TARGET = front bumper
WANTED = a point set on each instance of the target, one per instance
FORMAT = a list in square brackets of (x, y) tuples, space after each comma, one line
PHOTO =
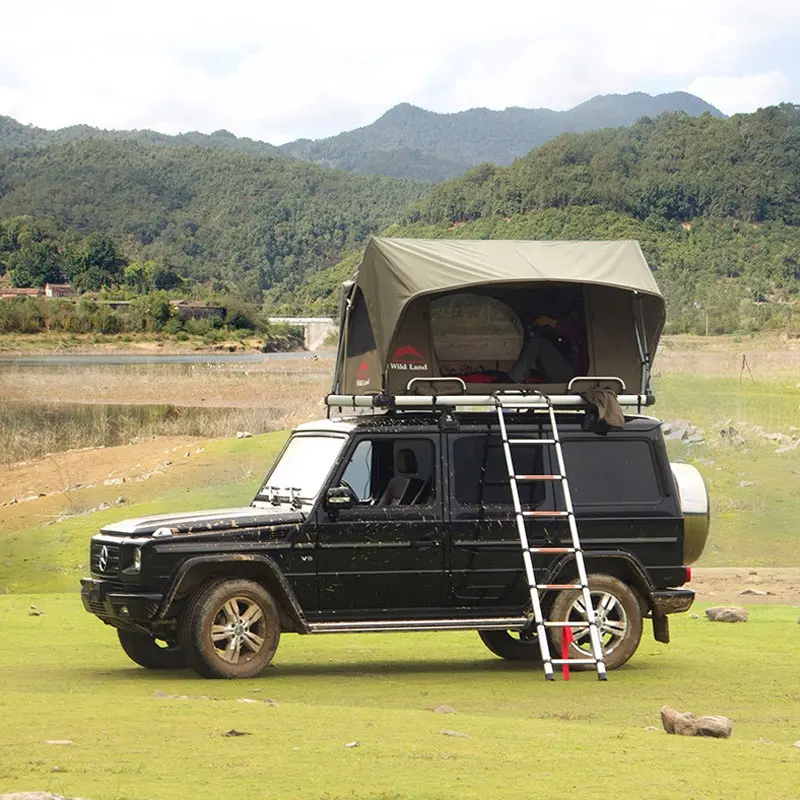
[(672, 601), (121, 609)]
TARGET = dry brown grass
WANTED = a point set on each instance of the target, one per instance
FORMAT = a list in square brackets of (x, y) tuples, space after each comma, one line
[(764, 356), (50, 409)]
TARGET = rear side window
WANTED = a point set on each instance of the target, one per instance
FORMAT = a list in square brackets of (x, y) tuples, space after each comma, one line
[(481, 475), (608, 472)]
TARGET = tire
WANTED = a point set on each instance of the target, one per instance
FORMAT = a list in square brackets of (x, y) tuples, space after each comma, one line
[(231, 630), (146, 651), (513, 645), (619, 618)]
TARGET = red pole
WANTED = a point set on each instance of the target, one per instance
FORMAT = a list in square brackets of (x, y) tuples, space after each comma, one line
[(566, 641)]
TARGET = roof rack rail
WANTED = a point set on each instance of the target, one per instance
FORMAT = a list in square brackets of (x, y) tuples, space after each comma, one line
[(454, 401)]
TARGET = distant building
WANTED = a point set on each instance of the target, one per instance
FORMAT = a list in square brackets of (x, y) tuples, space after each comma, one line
[(59, 290), (193, 309)]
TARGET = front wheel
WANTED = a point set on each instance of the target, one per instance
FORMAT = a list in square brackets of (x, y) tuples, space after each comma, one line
[(619, 620), (231, 630), (151, 653)]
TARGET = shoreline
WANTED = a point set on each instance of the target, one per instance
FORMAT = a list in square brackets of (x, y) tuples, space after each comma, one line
[(36, 344)]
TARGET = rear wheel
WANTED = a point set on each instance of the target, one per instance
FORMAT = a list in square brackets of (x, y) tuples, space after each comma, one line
[(619, 620), (231, 630), (151, 653), (513, 645)]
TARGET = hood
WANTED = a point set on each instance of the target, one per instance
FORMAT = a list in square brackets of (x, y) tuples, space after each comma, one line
[(204, 521)]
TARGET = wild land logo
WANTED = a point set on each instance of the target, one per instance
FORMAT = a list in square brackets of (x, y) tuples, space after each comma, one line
[(362, 376), (408, 358)]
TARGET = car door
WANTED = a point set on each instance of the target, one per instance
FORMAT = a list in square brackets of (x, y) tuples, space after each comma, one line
[(485, 567), (384, 556)]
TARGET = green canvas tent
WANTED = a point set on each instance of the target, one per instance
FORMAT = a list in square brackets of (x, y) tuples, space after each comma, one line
[(467, 309)]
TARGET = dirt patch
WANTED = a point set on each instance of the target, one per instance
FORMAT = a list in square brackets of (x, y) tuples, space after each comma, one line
[(744, 585), (32, 492)]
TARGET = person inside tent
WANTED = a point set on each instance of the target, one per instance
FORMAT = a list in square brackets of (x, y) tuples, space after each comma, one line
[(555, 349)]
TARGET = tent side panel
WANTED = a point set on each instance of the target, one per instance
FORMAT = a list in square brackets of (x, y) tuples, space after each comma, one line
[(361, 369), (613, 335), (411, 353)]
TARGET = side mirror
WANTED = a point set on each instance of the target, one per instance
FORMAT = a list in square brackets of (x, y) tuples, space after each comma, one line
[(339, 498)]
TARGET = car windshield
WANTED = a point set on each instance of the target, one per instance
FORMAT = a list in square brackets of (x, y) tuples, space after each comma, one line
[(301, 469)]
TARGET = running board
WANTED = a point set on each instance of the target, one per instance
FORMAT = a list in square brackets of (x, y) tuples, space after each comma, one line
[(377, 626)]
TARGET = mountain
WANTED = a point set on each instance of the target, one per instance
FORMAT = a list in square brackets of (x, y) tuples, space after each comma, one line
[(15, 135), (407, 141), (714, 202), (411, 142), (238, 220)]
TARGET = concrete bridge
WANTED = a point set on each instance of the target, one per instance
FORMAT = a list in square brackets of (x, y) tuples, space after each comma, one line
[(315, 329)]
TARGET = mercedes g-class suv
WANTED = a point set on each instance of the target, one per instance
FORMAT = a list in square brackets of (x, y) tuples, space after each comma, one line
[(403, 521)]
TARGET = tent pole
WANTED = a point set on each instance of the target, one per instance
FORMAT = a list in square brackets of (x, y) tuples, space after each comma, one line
[(346, 304), (641, 341)]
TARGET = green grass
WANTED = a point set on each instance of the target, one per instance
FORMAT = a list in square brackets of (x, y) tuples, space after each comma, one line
[(53, 557), (752, 525), (64, 677)]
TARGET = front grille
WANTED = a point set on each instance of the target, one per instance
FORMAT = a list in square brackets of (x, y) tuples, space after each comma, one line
[(104, 558)]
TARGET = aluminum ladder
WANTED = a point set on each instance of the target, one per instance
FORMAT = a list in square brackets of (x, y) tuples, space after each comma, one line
[(538, 401)]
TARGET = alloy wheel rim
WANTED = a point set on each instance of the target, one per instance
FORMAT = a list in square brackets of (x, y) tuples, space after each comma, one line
[(611, 617), (239, 630)]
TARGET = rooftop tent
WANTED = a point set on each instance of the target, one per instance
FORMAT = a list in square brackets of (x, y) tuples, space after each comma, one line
[(497, 312)]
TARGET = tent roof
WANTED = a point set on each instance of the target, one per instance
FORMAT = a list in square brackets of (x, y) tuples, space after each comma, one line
[(395, 271)]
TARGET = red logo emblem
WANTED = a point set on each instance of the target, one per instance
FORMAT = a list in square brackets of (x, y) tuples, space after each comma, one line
[(363, 370), (407, 355)]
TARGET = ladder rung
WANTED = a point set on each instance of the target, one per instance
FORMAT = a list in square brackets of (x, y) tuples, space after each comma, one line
[(573, 661), (553, 624), (552, 550), (539, 477), (558, 586), (544, 513), (531, 441)]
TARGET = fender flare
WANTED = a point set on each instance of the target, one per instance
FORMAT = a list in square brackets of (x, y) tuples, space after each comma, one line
[(643, 583), (263, 563)]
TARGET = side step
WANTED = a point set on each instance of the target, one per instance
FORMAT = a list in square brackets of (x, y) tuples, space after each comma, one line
[(379, 626)]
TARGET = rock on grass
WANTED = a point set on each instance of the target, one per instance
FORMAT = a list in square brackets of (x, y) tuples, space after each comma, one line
[(685, 723), (727, 614)]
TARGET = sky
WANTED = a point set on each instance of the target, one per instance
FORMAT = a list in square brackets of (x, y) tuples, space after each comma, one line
[(281, 71)]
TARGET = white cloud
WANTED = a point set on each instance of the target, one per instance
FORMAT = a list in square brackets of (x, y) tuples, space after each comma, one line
[(738, 94), (279, 71)]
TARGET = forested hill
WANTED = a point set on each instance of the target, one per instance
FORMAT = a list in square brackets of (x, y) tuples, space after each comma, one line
[(411, 142), (714, 202), (15, 135), (242, 222), (406, 142)]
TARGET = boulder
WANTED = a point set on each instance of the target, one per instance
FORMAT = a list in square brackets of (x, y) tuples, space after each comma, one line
[(685, 723), (727, 614)]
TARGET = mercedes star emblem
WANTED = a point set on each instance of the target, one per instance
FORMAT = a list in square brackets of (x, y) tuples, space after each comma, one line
[(103, 560)]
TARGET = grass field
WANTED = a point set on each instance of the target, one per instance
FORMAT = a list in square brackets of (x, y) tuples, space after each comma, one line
[(65, 678)]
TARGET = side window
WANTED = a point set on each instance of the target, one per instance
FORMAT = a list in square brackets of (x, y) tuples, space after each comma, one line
[(607, 472), (358, 473), (392, 472), (481, 474)]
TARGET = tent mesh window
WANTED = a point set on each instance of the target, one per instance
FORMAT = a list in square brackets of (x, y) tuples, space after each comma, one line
[(481, 336)]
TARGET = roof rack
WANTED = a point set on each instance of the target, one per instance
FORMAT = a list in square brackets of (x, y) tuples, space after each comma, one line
[(522, 397)]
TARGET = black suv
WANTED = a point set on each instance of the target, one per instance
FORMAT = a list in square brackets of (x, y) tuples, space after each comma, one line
[(404, 521)]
